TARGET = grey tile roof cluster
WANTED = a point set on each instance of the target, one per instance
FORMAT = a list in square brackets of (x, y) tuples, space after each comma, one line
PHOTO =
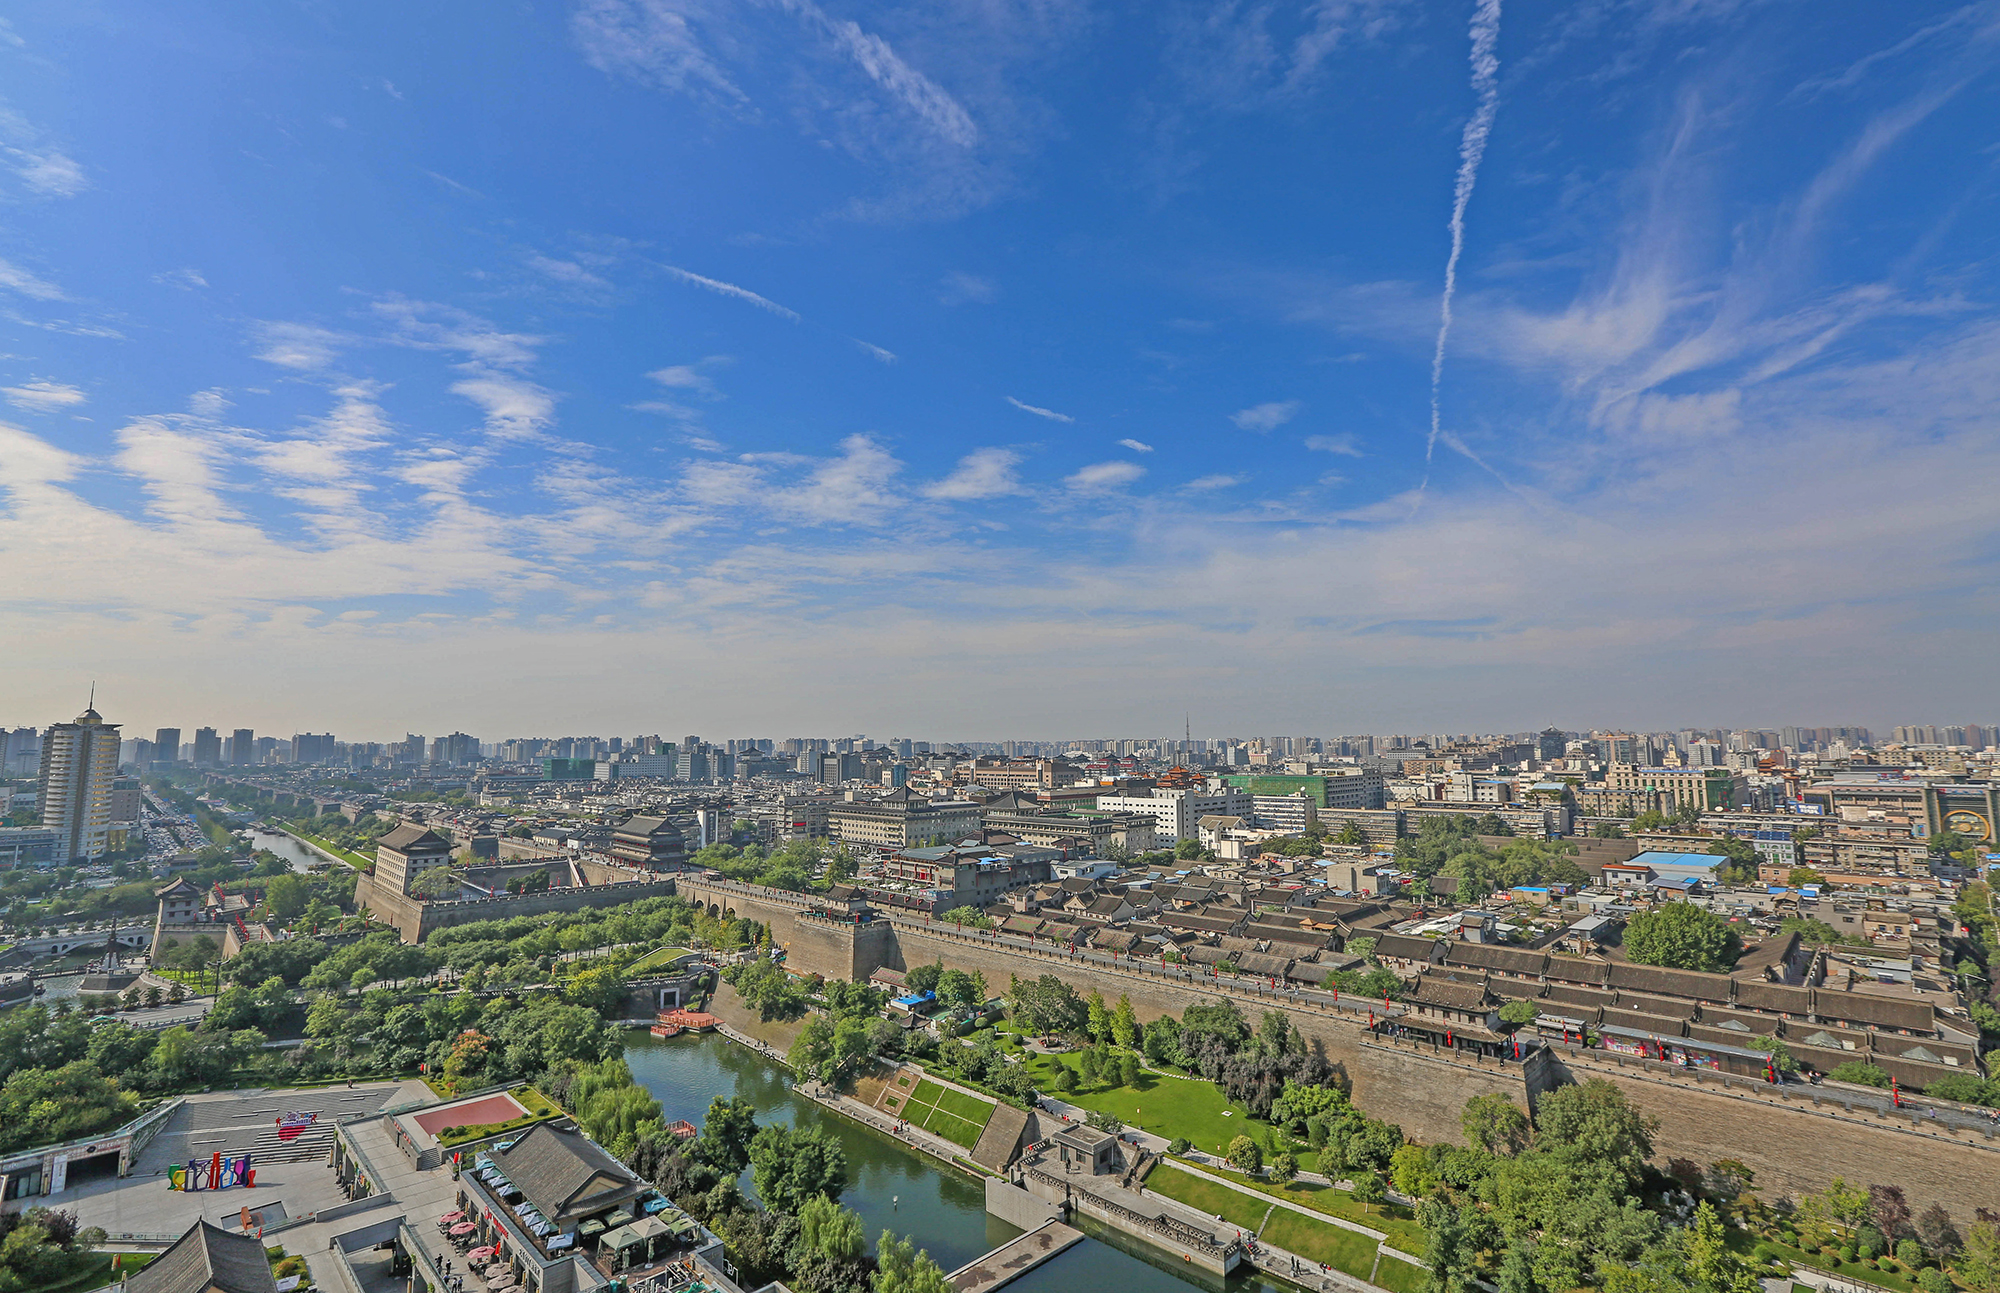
[(207, 1257)]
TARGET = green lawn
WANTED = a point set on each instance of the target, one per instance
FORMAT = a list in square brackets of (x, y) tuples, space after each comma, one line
[(963, 1104), (1321, 1241), (1167, 1106), (95, 1272), (1391, 1219), (1401, 1277), (655, 959), (952, 1114), (1241, 1210), (956, 1130)]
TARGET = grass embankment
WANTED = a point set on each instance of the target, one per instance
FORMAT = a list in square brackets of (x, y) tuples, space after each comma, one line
[(1281, 1227), (1391, 1219), (348, 856), (656, 959), (942, 1111)]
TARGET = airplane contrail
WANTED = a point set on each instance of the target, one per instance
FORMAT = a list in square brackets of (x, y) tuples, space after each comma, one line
[(1471, 149)]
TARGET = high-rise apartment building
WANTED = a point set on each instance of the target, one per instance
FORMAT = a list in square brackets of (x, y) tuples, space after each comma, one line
[(207, 746), (167, 744), (79, 765), (308, 747), (243, 746)]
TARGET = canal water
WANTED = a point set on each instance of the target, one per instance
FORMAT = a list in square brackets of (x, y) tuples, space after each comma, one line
[(296, 854), (892, 1186)]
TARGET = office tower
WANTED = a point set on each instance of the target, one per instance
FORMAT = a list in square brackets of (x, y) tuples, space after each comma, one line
[(167, 744), (79, 763), (207, 746)]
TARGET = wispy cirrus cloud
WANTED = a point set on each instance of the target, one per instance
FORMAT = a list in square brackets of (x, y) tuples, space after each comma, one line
[(983, 473), (1266, 417), (960, 288), (15, 279), (1040, 412), (1343, 444), (43, 396), (302, 347), (1217, 481), (1101, 477), (1136, 446)]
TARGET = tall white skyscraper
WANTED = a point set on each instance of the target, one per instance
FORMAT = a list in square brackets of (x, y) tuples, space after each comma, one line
[(79, 763)]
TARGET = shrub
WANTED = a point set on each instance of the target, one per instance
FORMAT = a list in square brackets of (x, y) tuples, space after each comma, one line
[(1932, 1280), (1178, 1145), (1910, 1252)]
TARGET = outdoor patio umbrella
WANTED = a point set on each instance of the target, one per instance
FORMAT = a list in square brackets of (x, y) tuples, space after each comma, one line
[(452, 1216), (463, 1228)]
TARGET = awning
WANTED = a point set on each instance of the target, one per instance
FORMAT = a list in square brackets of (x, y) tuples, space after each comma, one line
[(591, 1227), (621, 1238), (619, 1218)]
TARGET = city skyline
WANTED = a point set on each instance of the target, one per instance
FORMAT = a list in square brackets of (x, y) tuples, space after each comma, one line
[(1045, 367)]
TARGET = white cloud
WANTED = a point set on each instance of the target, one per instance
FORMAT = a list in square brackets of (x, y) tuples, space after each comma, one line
[(185, 279), (51, 174), (43, 397), (303, 347), (983, 473), (721, 288), (1104, 476), (1265, 417), (515, 409), (657, 41), (16, 279), (1050, 414), (959, 288), (1214, 482), (691, 377), (210, 403), (1341, 444), (567, 272), (875, 352), (1137, 446)]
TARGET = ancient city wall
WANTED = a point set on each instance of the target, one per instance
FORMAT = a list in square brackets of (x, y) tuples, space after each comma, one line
[(1791, 1143)]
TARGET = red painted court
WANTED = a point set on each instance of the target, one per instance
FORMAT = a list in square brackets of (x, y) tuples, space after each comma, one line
[(476, 1113)]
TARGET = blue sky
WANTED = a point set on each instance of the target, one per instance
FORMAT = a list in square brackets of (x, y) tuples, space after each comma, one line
[(985, 368)]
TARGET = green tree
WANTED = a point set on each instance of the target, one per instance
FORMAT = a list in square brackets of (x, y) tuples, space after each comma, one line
[(925, 978), (970, 917), (790, 1165), (1592, 1122), (1978, 1264), (1520, 1012), (1284, 1167), (901, 1267), (726, 1133), (1246, 1155), (1859, 1072), (287, 896), (601, 989), (1124, 1023), (1495, 1123), (1682, 936), (830, 1230), (1803, 875)]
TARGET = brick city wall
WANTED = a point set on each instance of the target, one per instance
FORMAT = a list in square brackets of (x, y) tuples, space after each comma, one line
[(416, 921), (1790, 1144)]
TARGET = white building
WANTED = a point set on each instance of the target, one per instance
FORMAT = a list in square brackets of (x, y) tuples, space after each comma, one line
[(1177, 813), (79, 763)]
